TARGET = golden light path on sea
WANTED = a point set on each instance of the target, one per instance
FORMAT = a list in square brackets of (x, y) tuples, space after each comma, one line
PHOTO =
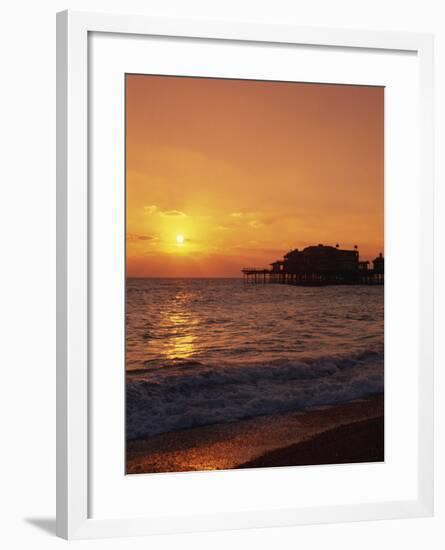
[(180, 324)]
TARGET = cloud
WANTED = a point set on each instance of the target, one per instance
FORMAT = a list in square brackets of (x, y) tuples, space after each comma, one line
[(167, 213), (256, 224), (223, 228), (153, 209), (247, 215), (133, 237)]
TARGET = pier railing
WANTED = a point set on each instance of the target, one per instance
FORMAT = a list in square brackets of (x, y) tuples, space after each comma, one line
[(255, 275)]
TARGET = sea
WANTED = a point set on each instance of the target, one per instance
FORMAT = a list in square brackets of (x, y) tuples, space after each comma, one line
[(206, 351)]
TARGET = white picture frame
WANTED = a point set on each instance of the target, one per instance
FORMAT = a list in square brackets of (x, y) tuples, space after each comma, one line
[(74, 393)]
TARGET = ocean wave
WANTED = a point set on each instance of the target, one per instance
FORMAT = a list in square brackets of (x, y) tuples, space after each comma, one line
[(185, 394)]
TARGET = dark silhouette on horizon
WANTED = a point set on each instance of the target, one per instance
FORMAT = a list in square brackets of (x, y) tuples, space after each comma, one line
[(319, 265)]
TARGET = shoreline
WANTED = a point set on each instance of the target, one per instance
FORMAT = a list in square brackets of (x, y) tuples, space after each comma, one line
[(350, 432), (357, 442)]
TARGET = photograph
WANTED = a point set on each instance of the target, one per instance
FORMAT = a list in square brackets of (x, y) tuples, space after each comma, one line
[(254, 287)]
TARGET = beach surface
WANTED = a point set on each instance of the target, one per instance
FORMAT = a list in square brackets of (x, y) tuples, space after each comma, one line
[(347, 433)]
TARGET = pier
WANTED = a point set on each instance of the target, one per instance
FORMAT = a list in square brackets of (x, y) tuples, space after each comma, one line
[(319, 265)]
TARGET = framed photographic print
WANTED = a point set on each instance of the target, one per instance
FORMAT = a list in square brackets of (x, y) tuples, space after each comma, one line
[(226, 173), (244, 275)]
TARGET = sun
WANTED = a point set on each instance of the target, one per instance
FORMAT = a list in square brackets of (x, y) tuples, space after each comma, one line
[(180, 239)]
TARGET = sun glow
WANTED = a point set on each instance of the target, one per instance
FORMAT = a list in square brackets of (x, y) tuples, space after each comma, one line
[(208, 194)]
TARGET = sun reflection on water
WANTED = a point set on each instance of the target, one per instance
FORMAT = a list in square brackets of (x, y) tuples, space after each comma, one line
[(180, 323)]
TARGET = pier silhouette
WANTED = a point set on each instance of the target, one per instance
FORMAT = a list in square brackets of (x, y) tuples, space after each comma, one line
[(319, 265)]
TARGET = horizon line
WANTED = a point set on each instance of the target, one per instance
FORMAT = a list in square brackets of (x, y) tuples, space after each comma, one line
[(180, 277)]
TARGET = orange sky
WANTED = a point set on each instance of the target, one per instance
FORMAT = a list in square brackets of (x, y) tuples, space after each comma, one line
[(247, 170)]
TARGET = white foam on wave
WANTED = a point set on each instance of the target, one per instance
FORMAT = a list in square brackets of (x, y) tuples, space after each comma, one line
[(188, 394)]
